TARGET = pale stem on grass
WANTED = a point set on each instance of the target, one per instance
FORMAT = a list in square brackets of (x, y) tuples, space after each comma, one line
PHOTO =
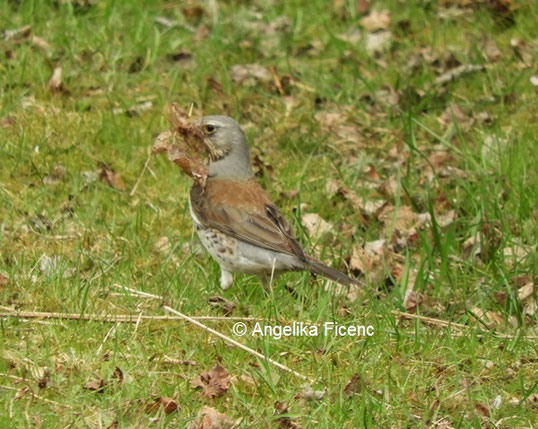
[(114, 318), (135, 187)]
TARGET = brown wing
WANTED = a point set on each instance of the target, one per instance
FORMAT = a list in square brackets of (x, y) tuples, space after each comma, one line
[(244, 211)]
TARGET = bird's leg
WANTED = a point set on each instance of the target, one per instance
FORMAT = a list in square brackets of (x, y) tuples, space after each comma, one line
[(226, 279), (265, 280)]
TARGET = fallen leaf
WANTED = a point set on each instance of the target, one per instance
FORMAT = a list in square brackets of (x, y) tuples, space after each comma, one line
[(378, 42), (49, 264), (482, 409), (401, 219), (40, 43), (18, 33), (118, 375), (210, 418), (387, 96), (56, 176), (489, 318), (310, 394), (472, 245), (451, 114), (491, 51), (214, 383), (7, 122), (183, 58), (376, 20), (162, 245), (364, 206), (109, 175), (168, 405), (250, 74), (191, 146), (55, 83), (222, 303), (530, 307), (445, 219), (522, 50), (96, 385), (354, 385), (317, 227), (282, 420), (525, 291), (369, 260)]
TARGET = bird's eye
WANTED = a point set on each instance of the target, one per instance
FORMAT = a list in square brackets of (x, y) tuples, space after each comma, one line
[(209, 128)]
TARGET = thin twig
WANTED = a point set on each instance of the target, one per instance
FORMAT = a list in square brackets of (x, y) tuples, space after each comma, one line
[(278, 84), (135, 187), (115, 318), (237, 344), (33, 395), (429, 320), (138, 292)]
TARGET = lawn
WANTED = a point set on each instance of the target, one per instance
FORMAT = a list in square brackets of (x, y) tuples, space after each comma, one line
[(398, 139)]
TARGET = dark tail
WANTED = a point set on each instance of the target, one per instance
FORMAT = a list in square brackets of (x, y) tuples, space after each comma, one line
[(314, 266)]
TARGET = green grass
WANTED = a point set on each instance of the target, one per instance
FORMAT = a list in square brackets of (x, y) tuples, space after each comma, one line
[(115, 55)]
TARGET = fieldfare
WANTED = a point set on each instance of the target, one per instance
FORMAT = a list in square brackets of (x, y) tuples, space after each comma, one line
[(236, 221)]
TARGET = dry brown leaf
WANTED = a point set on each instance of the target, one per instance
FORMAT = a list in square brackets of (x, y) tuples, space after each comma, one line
[(472, 246), (354, 385), (214, 383), (210, 418), (283, 421), (365, 207), (7, 122), (118, 375), (514, 254), (376, 20), (317, 227), (250, 74), (18, 33), (222, 303), (445, 219), (192, 144), (482, 409), (4, 281), (490, 318), (168, 404), (55, 83), (401, 219), (525, 291), (522, 50), (491, 51), (370, 260), (108, 175), (452, 113), (530, 307), (40, 43), (96, 385)]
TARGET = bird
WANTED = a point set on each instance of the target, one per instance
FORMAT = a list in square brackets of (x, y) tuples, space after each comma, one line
[(234, 218)]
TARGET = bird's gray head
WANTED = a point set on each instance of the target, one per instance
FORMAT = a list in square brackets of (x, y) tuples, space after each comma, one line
[(230, 157)]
